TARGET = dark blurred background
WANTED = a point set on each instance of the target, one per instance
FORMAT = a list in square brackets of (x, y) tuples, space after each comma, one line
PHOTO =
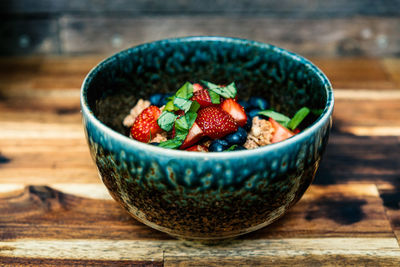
[(331, 28)]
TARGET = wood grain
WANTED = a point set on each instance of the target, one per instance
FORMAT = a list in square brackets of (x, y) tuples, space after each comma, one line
[(46, 262), (22, 36), (358, 73), (307, 9), (310, 37), (392, 66), (390, 194), (354, 210), (363, 27), (376, 251), (51, 196)]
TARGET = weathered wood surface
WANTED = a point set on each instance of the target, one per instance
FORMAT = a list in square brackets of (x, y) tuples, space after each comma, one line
[(55, 211), (309, 8), (76, 34), (322, 28)]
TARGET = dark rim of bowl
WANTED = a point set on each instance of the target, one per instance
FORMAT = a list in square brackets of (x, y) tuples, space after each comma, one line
[(128, 142)]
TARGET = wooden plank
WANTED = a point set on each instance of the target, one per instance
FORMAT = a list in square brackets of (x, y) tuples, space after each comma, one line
[(360, 94), (298, 252), (44, 262), (44, 174), (356, 73), (21, 36), (310, 37), (354, 112), (334, 210), (313, 8), (392, 66), (117, 250), (390, 194), (350, 158), (375, 251), (43, 212)]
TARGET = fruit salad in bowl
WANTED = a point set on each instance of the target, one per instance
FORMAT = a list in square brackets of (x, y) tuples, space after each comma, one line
[(206, 137), (205, 117)]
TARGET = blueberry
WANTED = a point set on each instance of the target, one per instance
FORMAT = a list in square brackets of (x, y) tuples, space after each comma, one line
[(218, 145), (249, 123), (156, 99), (244, 104), (254, 112), (154, 144), (237, 138), (165, 99), (258, 103)]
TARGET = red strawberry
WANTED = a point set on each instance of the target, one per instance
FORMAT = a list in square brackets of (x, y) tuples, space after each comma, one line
[(145, 126), (234, 109), (197, 87), (202, 97), (197, 148), (194, 135), (281, 133), (215, 122)]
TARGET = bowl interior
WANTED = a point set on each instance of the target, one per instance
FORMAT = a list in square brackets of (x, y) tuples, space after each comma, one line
[(287, 81)]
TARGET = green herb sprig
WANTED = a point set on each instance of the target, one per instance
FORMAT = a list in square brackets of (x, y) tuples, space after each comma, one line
[(285, 121), (181, 101)]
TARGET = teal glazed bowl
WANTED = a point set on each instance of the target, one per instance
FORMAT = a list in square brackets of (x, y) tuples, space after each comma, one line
[(198, 195)]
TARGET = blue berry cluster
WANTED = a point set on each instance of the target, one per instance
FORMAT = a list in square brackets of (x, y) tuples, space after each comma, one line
[(160, 100), (237, 138)]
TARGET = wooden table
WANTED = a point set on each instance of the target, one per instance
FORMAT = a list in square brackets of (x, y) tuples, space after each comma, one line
[(54, 209)]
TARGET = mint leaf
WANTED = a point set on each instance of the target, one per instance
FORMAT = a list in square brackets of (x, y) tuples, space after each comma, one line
[(298, 118), (181, 126), (170, 105), (166, 120), (171, 143), (228, 91), (282, 119), (194, 107), (182, 103), (215, 98), (186, 91), (231, 148), (190, 119)]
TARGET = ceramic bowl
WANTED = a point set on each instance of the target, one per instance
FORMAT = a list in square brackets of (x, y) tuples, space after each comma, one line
[(205, 195)]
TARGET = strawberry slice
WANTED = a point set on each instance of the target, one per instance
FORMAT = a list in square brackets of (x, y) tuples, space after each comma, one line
[(281, 133), (194, 135), (145, 126), (197, 148), (236, 110), (202, 97), (215, 122), (197, 87)]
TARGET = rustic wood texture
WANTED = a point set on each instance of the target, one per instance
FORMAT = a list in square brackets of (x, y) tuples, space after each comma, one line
[(309, 8), (312, 27), (311, 37), (54, 209)]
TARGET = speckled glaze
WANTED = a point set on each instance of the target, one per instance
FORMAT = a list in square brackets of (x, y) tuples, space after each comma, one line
[(205, 195)]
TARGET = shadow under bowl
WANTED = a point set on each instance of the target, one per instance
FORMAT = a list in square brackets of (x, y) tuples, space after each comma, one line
[(205, 195)]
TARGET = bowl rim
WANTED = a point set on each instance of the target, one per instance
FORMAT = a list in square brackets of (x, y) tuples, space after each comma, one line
[(130, 143)]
